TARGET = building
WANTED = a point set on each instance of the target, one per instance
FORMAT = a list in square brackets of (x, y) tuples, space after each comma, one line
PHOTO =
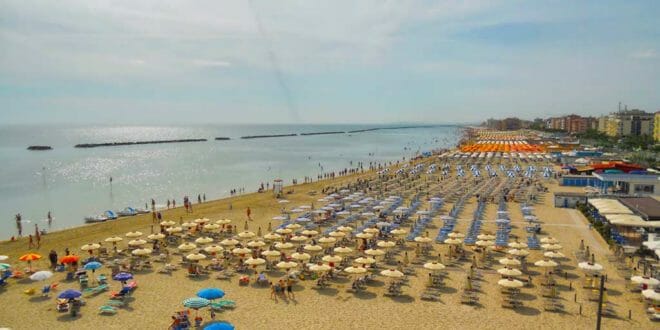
[(573, 124), (629, 122), (628, 184), (602, 124), (646, 207), (569, 199)]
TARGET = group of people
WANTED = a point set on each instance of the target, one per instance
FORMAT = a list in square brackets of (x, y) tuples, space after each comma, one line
[(283, 289), (19, 225)]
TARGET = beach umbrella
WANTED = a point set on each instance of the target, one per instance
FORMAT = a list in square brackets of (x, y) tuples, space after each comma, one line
[(344, 229), (114, 239), (545, 263), (90, 247), (374, 252), (271, 254), (364, 235), (301, 256), (398, 232), (219, 326), (455, 235), (549, 240), (327, 241), (286, 264), (484, 243), (336, 234), (72, 258), (204, 240), (332, 258), (246, 235), (392, 273), (551, 247), (133, 234), (364, 260), (279, 218), (343, 213), (156, 237), (510, 283), (518, 252), (423, 239), (486, 237), (188, 225), (309, 232), (210, 293), (241, 251), (371, 231), (284, 231), (196, 303), (255, 244), (4, 267), (167, 223), (293, 226), (453, 241), (296, 210), (320, 268), (517, 245), (355, 270), (229, 242), (214, 249), (187, 247), (284, 246), (312, 248), (254, 261), (223, 221), (141, 252), (29, 257), (305, 207), (174, 230), (122, 277), (299, 239), (509, 261), (93, 266), (385, 244), (195, 257), (506, 271), (201, 220), (211, 227), (553, 254), (137, 242), (651, 294), (69, 294), (41, 275), (283, 201), (272, 237), (650, 281), (434, 266), (3, 258), (343, 250), (383, 224), (368, 214)]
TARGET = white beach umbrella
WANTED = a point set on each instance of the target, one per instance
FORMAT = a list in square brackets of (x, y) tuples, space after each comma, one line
[(364, 235), (241, 251), (517, 245), (320, 268), (398, 232), (156, 237), (453, 241), (279, 218), (293, 226), (137, 242), (651, 294), (510, 283), (286, 264), (254, 261), (484, 243), (196, 257), (650, 281), (312, 248), (202, 220), (133, 234), (272, 237), (553, 254), (332, 258), (393, 273), (114, 239), (223, 221), (435, 266), (336, 234), (455, 235), (374, 252), (174, 230), (344, 229), (486, 237), (188, 225), (271, 254), (91, 246), (518, 252), (545, 263), (299, 239), (214, 249), (590, 267), (371, 231), (355, 270), (204, 240), (187, 247), (385, 244), (509, 261), (211, 226), (343, 250), (506, 271), (284, 231), (423, 239), (364, 260), (229, 242), (246, 235), (551, 247), (284, 246), (549, 240), (167, 223), (141, 252), (327, 241), (309, 232)]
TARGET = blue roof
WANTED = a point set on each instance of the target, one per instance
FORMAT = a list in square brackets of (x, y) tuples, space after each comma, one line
[(651, 178)]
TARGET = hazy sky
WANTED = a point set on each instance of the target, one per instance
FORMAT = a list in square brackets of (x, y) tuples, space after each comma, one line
[(311, 61)]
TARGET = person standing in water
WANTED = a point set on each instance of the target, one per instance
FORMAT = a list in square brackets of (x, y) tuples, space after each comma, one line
[(19, 225), (50, 218)]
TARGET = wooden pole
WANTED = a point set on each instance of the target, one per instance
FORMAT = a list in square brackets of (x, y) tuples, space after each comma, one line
[(600, 302)]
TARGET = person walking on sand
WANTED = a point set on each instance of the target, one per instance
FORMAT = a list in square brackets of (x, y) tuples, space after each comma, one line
[(249, 213), (289, 288), (52, 256), (31, 242), (37, 234)]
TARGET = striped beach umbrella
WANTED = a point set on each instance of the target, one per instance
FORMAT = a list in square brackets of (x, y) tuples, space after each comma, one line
[(196, 303)]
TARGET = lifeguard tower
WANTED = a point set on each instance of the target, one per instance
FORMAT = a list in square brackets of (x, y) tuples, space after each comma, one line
[(278, 188)]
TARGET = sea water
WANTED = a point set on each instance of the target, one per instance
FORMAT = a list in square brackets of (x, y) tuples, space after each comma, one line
[(73, 183)]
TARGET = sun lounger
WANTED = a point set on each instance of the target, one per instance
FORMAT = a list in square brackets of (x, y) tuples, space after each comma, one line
[(95, 290), (512, 304), (105, 309)]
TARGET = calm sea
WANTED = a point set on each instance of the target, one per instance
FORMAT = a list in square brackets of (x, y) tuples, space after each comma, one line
[(73, 183)]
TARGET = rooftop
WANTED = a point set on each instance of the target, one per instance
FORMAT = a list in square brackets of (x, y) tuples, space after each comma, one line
[(647, 207)]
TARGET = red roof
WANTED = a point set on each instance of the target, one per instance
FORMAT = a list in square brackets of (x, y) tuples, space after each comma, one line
[(626, 167)]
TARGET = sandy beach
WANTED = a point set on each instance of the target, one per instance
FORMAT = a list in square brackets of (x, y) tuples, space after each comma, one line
[(159, 295)]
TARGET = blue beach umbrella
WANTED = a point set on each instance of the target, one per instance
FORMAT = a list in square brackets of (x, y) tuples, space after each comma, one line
[(210, 293), (93, 265), (69, 294), (122, 277), (219, 326)]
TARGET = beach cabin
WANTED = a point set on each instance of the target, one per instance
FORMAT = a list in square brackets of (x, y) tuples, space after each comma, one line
[(569, 199)]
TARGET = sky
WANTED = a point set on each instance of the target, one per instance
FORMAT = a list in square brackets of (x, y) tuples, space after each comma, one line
[(286, 61)]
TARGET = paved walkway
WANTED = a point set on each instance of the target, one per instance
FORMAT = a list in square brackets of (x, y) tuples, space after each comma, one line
[(589, 234)]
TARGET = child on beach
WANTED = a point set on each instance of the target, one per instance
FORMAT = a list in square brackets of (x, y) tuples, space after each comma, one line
[(249, 212)]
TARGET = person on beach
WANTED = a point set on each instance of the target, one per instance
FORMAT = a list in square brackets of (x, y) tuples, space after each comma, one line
[(37, 235), (199, 199), (273, 293), (249, 213), (168, 204), (289, 288), (66, 251), (204, 197), (52, 256), (31, 242), (153, 204), (50, 218), (19, 225)]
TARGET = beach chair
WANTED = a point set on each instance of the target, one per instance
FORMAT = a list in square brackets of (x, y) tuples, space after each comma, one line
[(115, 303), (121, 294), (109, 310), (45, 291), (95, 290), (102, 279)]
